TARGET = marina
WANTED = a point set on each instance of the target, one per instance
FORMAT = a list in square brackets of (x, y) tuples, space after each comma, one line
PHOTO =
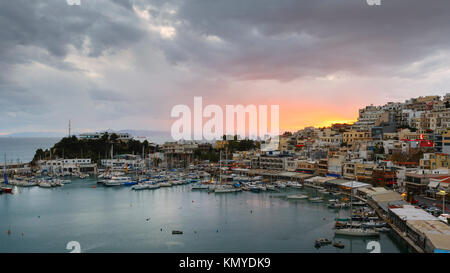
[(86, 212)]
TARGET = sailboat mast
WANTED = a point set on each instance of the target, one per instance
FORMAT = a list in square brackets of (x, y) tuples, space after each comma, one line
[(351, 203)]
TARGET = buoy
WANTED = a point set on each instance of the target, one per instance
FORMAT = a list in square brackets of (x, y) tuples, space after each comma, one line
[(9, 232), (217, 231), (95, 187)]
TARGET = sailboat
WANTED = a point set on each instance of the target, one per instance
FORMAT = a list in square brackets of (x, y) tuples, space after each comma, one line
[(5, 177), (358, 232)]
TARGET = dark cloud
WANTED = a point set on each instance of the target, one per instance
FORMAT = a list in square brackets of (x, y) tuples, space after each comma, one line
[(127, 66), (309, 38), (54, 26)]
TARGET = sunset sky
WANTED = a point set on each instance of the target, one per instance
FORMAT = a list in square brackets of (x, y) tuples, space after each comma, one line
[(123, 64)]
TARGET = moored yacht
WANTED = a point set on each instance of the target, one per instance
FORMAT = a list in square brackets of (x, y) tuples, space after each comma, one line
[(117, 181), (356, 232), (297, 197)]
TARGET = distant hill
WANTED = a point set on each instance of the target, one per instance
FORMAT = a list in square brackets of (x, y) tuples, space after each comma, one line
[(35, 134), (154, 136)]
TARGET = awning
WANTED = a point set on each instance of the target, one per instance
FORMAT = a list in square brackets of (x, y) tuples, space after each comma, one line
[(433, 184)]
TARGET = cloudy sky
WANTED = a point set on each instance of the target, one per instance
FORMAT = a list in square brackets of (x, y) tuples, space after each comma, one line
[(124, 64)]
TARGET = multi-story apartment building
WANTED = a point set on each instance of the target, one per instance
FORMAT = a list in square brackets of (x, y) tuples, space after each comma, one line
[(335, 165), (67, 166), (434, 121), (349, 170), (354, 136), (179, 154), (432, 161), (120, 136), (364, 170), (446, 142), (368, 116), (322, 167), (272, 162), (306, 166)]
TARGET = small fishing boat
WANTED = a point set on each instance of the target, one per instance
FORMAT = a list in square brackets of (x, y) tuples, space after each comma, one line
[(224, 189), (383, 229), (45, 184), (316, 200), (373, 224), (139, 187), (322, 241), (165, 184), (6, 190), (117, 181), (357, 232), (297, 197), (338, 244), (338, 206), (153, 186)]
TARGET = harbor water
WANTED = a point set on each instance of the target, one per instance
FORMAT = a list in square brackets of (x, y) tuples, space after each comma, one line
[(118, 219)]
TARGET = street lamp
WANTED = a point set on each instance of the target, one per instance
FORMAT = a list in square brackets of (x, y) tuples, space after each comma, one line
[(443, 200)]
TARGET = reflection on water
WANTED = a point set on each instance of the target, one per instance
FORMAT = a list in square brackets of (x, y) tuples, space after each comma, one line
[(113, 219)]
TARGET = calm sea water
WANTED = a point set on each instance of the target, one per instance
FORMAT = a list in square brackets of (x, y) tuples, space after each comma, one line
[(106, 219), (23, 148)]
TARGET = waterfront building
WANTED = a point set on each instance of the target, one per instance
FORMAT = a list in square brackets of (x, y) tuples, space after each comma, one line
[(322, 167), (67, 166), (272, 162), (306, 166), (425, 230), (364, 171), (179, 154), (417, 181), (335, 165), (97, 135), (438, 184), (17, 168), (124, 162)]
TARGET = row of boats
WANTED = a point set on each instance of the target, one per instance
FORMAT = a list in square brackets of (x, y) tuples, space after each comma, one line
[(45, 182), (151, 181)]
